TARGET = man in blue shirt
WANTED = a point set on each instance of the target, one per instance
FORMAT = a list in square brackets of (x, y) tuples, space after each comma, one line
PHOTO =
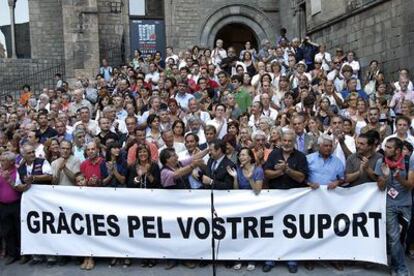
[(324, 168), (351, 87)]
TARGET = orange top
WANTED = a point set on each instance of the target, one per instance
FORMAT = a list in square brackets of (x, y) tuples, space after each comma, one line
[(24, 98)]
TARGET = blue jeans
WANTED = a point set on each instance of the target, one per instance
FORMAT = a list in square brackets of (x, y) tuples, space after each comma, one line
[(393, 234), (289, 263)]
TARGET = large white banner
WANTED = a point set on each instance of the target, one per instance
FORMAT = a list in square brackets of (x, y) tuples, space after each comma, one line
[(296, 224)]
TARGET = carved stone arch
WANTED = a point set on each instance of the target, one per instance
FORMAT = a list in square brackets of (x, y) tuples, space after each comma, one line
[(243, 14)]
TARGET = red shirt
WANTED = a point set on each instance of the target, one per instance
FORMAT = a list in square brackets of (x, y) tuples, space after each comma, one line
[(89, 169)]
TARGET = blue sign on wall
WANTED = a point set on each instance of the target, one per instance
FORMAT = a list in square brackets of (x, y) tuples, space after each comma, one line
[(148, 36)]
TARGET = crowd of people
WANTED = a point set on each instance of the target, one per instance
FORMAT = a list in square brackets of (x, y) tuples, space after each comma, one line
[(288, 115)]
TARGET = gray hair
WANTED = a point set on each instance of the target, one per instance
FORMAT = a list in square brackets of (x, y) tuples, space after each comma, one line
[(288, 132), (9, 156), (325, 137), (107, 109), (193, 119), (258, 133)]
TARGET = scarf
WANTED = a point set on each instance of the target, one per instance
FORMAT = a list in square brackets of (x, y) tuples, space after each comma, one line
[(399, 164)]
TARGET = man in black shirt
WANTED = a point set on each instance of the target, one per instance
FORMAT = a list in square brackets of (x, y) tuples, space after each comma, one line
[(45, 131), (286, 168)]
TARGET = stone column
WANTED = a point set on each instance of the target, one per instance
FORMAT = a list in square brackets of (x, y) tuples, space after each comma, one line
[(12, 6)]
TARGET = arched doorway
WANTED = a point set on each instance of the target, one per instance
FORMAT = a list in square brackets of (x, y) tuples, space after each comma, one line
[(236, 35)]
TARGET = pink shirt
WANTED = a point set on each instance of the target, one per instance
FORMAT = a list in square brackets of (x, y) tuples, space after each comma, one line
[(7, 193)]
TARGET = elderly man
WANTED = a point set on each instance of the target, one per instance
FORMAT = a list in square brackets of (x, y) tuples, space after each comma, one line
[(10, 206), (324, 168), (260, 151), (34, 170), (78, 102), (91, 126), (304, 142), (66, 167), (286, 168), (94, 168)]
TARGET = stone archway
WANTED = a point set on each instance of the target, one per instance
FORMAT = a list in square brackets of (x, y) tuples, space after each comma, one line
[(236, 35), (242, 14)]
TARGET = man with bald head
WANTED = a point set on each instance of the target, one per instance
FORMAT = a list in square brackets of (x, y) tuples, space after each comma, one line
[(94, 168)]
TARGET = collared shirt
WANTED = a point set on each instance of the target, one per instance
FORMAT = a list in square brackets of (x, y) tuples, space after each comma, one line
[(300, 142), (90, 169), (324, 171), (182, 100), (216, 163)]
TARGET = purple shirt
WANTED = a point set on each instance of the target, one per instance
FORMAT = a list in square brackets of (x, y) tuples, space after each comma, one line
[(167, 175), (7, 193)]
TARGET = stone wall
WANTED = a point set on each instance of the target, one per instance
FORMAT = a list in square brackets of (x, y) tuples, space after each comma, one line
[(112, 31), (194, 22), (46, 30), (384, 31), (38, 73), (81, 38)]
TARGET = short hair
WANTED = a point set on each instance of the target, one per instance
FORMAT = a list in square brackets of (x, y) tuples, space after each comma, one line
[(408, 146), (238, 78), (210, 128), (218, 144), (347, 68), (372, 137), (404, 118), (398, 143), (192, 134), (9, 156), (166, 154), (151, 119), (288, 132), (325, 137)]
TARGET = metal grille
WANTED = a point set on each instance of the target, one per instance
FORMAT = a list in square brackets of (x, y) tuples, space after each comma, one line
[(37, 74)]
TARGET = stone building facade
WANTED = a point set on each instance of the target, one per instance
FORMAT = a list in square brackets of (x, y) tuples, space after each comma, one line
[(79, 33)]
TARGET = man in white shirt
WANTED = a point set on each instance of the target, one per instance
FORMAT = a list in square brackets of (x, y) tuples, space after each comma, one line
[(402, 131), (218, 53), (344, 145), (170, 54), (66, 166), (153, 76), (325, 57)]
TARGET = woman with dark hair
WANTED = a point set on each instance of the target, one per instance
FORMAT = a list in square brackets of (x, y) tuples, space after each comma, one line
[(178, 129), (195, 52), (102, 102), (231, 147), (159, 61), (247, 176), (248, 48), (248, 63), (153, 133), (146, 173), (115, 165)]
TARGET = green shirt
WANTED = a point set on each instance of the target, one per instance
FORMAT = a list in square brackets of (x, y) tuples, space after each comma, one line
[(243, 99)]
